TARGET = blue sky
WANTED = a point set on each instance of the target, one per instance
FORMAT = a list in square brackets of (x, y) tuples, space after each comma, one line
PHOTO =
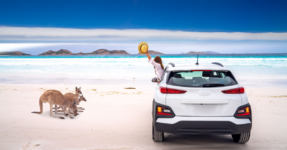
[(183, 25)]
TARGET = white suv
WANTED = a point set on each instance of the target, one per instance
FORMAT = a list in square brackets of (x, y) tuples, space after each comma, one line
[(200, 99)]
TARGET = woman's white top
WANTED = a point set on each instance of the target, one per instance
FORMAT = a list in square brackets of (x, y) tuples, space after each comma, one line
[(157, 68)]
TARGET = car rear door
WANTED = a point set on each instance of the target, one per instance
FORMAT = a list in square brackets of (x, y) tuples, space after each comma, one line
[(203, 101)]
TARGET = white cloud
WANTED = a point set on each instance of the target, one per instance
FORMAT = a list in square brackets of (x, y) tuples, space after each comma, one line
[(70, 34)]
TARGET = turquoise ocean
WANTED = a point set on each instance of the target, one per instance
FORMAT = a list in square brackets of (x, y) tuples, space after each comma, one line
[(243, 66)]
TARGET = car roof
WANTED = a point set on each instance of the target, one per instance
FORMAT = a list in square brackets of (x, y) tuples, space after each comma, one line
[(196, 67)]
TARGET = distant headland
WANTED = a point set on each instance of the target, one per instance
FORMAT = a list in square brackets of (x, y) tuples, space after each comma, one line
[(96, 52), (15, 53)]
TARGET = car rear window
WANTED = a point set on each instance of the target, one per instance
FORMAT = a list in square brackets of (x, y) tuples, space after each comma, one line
[(202, 78)]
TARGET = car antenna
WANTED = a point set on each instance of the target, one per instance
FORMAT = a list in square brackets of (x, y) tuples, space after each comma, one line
[(197, 61)]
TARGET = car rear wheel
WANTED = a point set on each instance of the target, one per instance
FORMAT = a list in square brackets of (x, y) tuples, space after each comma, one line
[(157, 136), (241, 138)]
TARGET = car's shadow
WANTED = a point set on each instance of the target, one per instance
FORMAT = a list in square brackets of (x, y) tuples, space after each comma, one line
[(176, 141)]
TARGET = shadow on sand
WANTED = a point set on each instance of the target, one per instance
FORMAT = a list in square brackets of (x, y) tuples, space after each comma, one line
[(202, 142), (46, 114)]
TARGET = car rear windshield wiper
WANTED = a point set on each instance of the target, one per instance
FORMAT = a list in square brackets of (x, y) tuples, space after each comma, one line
[(212, 85)]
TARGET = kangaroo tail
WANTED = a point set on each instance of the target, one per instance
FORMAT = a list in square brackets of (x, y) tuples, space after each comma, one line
[(41, 107)]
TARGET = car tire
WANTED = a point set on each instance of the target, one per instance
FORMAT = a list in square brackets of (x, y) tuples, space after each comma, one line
[(241, 138), (157, 136)]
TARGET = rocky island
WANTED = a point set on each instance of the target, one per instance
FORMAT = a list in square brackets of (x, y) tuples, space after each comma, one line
[(107, 52), (80, 53), (15, 53), (59, 52)]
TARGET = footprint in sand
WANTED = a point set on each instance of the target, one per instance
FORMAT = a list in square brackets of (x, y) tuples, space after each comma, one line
[(29, 146)]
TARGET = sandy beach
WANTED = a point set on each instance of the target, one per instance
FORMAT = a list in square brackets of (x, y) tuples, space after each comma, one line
[(118, 118)]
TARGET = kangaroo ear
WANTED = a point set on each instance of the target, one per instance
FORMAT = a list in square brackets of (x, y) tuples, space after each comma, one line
[(76, 88), (79, 88)]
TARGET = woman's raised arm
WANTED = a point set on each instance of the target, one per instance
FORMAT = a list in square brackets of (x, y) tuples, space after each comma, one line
[(148, 56)]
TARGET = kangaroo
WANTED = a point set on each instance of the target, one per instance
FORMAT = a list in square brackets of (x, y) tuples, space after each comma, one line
[(72, 98), (78, 97), (72, 106), (82, 98), (54, 97)]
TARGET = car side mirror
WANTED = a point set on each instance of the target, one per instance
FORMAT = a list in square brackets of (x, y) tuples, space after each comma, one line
[(154, 79)]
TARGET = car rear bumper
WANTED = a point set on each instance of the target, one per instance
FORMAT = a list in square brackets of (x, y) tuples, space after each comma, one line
[(203, 125)]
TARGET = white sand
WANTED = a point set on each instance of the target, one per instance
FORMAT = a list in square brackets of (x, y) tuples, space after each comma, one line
[(118, 118)]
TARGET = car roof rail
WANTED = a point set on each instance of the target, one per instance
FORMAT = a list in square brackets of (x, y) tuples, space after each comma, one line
[(172, 64), (219, 64)]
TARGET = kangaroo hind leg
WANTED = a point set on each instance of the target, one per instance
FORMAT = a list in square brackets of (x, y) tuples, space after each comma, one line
[(51, 100)]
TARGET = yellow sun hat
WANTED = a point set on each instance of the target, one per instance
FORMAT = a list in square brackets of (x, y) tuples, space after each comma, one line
[(143, 47)]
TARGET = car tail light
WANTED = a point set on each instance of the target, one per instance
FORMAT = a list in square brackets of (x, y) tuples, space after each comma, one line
[(171, 91), (163, 111), (244, 111), (234, 91), (200, 70)]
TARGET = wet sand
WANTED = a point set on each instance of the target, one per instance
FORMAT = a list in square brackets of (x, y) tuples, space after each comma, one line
[(118, 118)]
